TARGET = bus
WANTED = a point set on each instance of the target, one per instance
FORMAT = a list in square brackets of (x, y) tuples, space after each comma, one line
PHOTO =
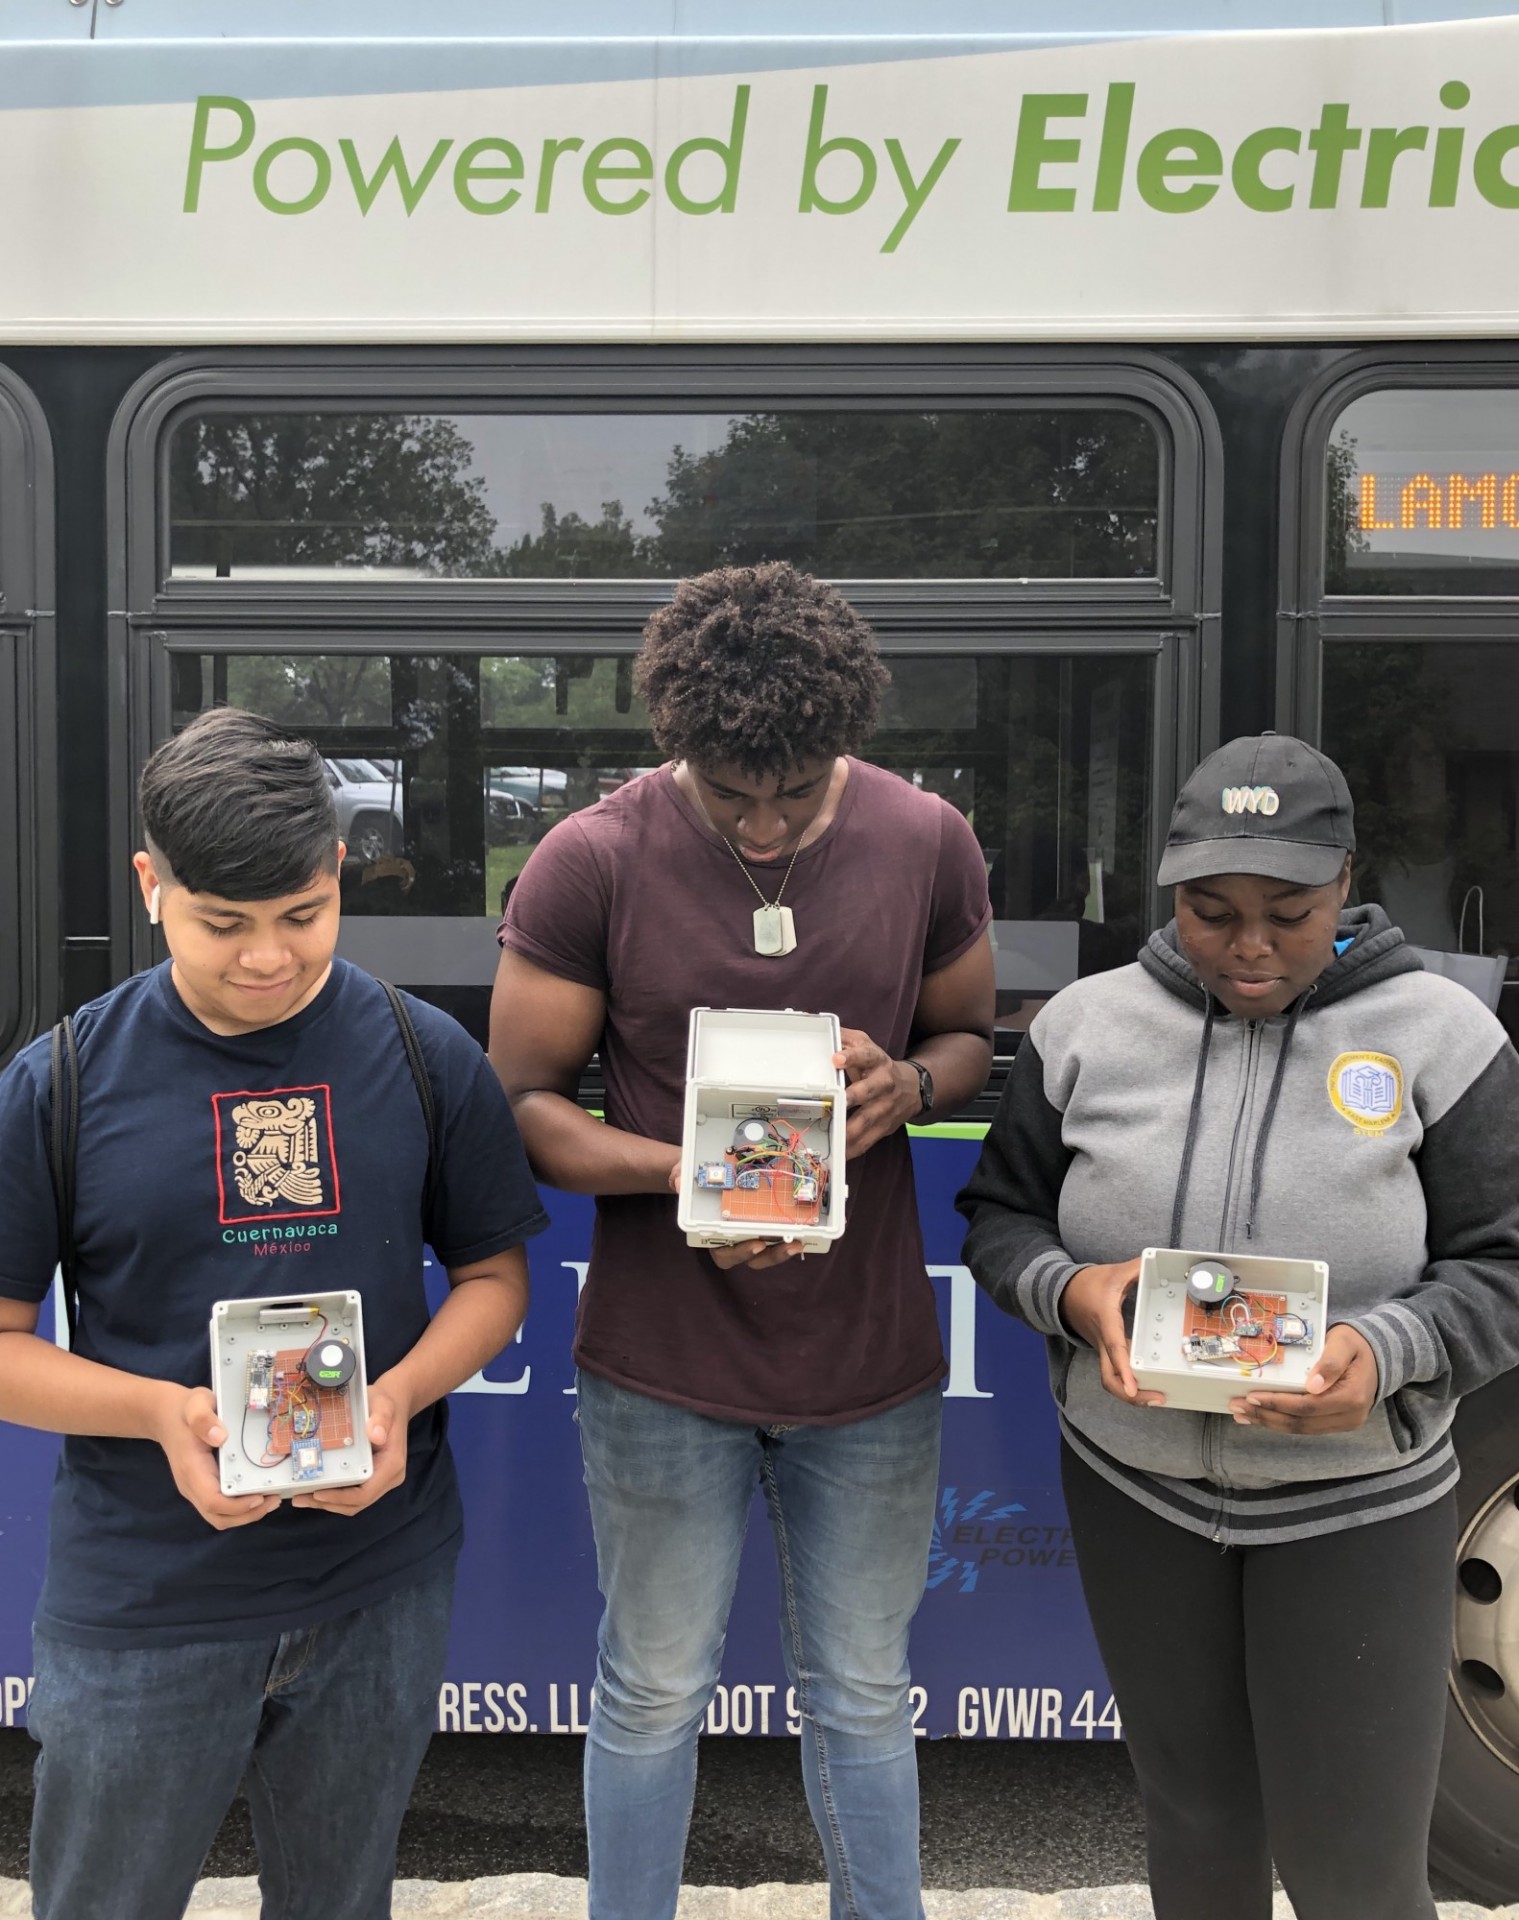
[(380, 369)]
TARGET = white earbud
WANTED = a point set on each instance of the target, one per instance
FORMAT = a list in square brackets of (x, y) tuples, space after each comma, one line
[(153, 907)]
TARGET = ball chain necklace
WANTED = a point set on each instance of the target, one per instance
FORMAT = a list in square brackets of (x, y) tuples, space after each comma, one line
[(774, 927)]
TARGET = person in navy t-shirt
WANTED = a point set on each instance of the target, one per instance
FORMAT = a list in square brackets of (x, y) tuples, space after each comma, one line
[(187, 1642)]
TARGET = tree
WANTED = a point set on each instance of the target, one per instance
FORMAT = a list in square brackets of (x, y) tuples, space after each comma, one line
[(250, 492), (573, 548), (959, 494), (312, 689), (324, 492), (1342, 518)]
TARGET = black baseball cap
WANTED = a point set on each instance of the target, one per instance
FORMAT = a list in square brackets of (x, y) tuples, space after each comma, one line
[(1265, 804)]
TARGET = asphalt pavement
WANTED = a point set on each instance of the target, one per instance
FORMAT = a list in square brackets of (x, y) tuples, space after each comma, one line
[(1041, 1816)]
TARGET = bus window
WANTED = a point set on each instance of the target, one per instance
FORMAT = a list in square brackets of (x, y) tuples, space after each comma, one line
[(32, 955), (1416, 700), (1048, 757), (1425, 733), (995, 493), (448, 768), (13, 914), (1422, 493)]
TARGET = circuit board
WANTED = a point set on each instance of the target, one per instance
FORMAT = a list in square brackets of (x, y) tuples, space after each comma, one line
[(333, 1407), (1258, 1309), (772, 1200)]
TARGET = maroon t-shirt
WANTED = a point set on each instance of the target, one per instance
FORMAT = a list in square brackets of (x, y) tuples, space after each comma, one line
[(640, 898)]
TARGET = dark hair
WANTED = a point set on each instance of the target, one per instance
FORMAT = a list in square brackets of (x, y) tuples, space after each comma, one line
[(760, 667), (236, 806)]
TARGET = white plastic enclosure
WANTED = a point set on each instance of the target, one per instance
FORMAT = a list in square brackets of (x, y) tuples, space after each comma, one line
[(288, 1324), (740, 1062), (1160, 1326)]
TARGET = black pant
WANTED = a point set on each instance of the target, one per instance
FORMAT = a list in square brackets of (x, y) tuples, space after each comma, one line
[(1280, 1702)]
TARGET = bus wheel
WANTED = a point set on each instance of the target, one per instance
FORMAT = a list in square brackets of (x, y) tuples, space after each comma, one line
[(1476, 1827)]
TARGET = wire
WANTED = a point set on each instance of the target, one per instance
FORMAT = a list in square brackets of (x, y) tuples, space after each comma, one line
[(783, 1157), (247, 1450)]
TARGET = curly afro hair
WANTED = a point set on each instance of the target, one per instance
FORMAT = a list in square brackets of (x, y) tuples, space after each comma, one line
[(761, 668)]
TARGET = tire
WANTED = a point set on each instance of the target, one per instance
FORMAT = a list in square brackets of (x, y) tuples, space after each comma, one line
[(371, 836), (1475, 1837)]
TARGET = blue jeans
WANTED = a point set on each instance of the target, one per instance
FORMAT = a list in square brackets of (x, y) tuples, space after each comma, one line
[(852, 1511), (144, 1749)]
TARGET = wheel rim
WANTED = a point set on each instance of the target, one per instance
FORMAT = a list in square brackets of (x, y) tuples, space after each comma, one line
[(1484, 1668), (372, 844)]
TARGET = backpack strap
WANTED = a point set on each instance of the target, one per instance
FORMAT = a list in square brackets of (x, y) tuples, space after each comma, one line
[(63, 1157), (419, 1075)]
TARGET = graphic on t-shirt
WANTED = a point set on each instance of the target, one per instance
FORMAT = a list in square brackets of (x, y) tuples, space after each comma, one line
[(275, 1157)]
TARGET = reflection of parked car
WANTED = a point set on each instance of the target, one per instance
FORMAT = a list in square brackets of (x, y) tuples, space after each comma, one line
[(509, 821), (368, 805), (539, 786)]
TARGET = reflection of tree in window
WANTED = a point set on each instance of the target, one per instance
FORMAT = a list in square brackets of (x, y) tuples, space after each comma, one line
[(913, 495), (573, 548), (1053, 494), (1342, 513), (311, 490), (564, 692), (313, 689)]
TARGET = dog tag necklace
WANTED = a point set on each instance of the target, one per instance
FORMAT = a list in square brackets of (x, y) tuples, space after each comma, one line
[(774, 928)]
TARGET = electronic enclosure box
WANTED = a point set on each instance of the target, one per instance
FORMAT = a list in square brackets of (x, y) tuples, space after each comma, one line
[(762, 1147), (1264, 1337), (288, 1375)]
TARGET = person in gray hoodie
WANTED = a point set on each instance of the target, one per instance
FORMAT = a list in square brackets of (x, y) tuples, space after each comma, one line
[(1270, 1587)]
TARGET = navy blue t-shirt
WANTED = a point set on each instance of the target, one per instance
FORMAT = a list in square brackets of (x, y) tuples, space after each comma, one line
[(170, 1217)]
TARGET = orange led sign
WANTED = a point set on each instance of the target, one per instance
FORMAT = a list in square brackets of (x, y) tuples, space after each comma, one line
[(1436, 502)]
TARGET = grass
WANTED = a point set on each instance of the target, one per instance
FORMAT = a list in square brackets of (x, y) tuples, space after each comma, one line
[(501, 864)]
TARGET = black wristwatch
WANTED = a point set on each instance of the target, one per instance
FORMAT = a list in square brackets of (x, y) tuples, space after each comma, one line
[(925, 1086)]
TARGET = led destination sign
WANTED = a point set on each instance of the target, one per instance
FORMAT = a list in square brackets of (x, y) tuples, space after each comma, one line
[(1434, 502)]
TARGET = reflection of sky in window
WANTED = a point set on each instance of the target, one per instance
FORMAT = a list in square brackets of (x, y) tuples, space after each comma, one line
[(1439, 432), (578, 460)]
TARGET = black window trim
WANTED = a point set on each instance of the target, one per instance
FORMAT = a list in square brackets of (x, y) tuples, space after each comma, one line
[(28, 714), (1311, 618), (1177, 618), (576, 381)]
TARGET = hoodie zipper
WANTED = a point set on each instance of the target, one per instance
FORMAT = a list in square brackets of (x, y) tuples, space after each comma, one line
[(1213, 1423), (1247, 1101)]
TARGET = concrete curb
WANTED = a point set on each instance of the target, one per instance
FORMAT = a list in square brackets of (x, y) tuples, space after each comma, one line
[(544, 1896)]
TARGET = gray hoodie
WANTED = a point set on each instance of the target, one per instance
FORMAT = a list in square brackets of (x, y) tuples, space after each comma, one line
[(1374, 1126)]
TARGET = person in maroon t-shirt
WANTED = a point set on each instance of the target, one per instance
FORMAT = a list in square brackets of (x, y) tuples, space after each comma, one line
[(705, 1374)]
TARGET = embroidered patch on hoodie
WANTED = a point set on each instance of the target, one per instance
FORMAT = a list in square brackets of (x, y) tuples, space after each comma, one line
[(1367, 1090)]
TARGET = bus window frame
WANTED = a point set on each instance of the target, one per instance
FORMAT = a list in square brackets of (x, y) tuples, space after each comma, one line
[(1312, 618), (29, 808), (1174, 616)]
